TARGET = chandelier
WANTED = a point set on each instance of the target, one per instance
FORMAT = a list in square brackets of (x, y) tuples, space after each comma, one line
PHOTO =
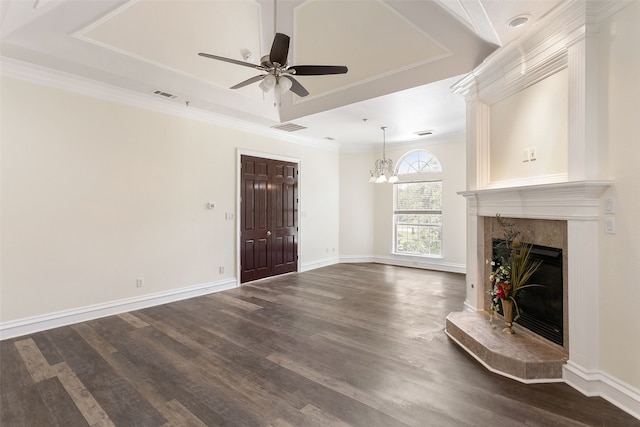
[(384, 166)]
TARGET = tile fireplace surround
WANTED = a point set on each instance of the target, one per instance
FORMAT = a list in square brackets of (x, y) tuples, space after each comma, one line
[(564, 215)]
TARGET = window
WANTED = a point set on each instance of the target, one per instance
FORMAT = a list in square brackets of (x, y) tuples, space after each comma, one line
[(417, 213), (419, 161)]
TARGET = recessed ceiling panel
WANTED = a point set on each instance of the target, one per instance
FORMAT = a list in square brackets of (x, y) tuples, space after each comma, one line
[(369, 37), (171, 33)]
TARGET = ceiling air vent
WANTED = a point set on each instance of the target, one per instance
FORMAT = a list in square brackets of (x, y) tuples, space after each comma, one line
[(424, 133), (164, 94), (288, 127)]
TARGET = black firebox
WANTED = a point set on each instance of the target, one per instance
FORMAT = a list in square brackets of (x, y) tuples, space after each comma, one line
[(541, 307)]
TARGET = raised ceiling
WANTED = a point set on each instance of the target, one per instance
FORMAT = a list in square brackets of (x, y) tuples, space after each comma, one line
[(402, 55)]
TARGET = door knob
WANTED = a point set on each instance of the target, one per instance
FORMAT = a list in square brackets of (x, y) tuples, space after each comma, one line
[(268, 233)]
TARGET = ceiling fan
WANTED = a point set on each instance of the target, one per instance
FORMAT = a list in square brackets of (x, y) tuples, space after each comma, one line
[(279, 74)]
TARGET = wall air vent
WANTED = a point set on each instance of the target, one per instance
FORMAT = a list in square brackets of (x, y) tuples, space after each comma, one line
[(288, 127), (164, 94)]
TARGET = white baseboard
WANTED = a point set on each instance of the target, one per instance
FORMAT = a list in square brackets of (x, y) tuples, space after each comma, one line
[(413, 262), (423, 263), (355, 259), (598, 383), (468, 307), (25, 326), (319, 263)]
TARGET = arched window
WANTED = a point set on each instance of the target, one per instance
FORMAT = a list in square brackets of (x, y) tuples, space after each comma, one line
[(419, 161), (417, 205)]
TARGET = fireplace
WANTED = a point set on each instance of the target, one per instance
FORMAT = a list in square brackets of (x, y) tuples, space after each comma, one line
[(541, 307), (545, 309), (560, 215)]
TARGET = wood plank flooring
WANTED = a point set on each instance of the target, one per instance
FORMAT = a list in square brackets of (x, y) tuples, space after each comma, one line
[(345, 345)]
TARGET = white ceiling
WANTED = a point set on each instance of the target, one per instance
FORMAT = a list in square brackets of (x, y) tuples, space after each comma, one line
[(402, 55)]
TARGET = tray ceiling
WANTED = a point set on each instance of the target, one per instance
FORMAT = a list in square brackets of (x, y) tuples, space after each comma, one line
[(392, 48)]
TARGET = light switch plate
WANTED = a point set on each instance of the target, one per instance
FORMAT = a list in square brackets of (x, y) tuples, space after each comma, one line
[(609, 205), (526, 153)]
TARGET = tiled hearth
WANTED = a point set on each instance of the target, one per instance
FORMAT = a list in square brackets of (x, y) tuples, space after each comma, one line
[(520, 356)]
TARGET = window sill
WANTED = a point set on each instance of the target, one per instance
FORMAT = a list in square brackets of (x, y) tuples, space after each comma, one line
[(417, 256)]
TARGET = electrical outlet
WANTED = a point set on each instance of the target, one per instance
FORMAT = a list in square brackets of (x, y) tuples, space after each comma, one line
[(610, 226), (140, 282)]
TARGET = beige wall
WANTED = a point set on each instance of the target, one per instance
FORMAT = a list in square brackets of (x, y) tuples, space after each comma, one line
[(96, 194), (451, 152), (357, 229), (535, 117), (619, 133)]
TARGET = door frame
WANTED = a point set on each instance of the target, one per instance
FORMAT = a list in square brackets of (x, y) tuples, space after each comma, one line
[(242, 152)]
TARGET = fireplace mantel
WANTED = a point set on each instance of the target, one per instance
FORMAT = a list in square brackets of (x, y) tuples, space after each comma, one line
[(564, 200)]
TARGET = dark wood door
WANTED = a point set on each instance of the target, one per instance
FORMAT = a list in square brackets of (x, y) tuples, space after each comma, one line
[(268, 205)]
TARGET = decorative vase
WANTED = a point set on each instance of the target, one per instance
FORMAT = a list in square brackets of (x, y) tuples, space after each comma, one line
[(507, 313)]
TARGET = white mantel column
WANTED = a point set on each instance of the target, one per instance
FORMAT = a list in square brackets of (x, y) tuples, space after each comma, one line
[(477, 177), (584, 319), (583, 107)]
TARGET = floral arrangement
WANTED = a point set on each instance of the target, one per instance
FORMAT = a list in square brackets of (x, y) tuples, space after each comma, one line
[(511, 267)]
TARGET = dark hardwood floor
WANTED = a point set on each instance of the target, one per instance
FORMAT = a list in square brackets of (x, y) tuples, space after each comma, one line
[(350, 344)]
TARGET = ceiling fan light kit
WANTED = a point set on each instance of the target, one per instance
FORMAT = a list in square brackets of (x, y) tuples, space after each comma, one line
[(279, 74)]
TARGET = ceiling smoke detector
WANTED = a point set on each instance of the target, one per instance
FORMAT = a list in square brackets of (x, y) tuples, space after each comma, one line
[(519, 21)]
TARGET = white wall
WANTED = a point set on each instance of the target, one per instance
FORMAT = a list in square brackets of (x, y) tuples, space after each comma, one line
[(96, 194), (619, 133), (535, 117)]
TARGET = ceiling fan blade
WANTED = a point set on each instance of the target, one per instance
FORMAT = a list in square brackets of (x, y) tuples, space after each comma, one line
[(296, 87), (318, 70), (233, 61), (248, 81), (279, 49)]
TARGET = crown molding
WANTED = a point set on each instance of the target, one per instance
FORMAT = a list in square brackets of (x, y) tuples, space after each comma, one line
[(44, 76)]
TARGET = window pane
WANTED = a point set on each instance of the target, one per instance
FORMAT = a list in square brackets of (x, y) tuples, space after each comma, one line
[(418, 218), (414, 196), (416, 236), (419, 162)]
